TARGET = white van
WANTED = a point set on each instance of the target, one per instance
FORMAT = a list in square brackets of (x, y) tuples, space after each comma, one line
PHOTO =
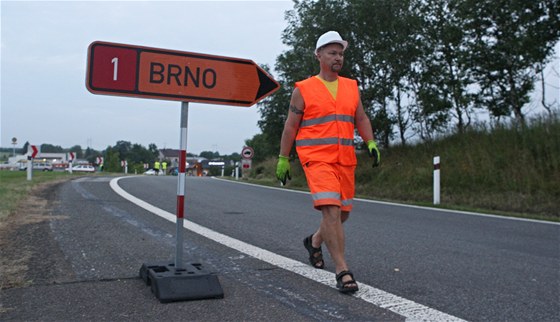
[(41, 166)]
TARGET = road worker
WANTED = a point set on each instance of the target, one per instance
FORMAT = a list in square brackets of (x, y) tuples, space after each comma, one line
[(156, 167), (323, 113), (164, 167)]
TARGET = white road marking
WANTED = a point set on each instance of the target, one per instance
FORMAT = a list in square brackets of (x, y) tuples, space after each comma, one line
[(470, 213), (411, 310)]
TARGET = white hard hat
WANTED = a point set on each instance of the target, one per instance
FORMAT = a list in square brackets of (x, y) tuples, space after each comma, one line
[(330, 37)]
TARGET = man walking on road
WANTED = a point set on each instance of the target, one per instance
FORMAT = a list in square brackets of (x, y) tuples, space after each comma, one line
[(324, 110)]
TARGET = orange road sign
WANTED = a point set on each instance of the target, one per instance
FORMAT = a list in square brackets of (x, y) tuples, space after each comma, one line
[(127, 70)]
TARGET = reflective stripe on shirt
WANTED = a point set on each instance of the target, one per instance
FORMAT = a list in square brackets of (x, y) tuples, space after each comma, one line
[(324, 141), (326, 119)]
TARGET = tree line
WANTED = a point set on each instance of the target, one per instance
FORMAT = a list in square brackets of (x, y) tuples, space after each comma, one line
[(424, 67)]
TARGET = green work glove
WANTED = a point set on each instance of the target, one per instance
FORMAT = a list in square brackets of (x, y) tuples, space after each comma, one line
[(374, 152), (283, 169)]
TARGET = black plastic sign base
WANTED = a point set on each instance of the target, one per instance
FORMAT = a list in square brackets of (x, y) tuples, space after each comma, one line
[(189, 283)]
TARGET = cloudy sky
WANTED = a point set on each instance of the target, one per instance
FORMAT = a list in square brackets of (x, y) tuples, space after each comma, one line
[(43, 68)]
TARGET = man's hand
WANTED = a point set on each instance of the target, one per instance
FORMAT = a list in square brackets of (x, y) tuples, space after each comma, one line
[(283, 169), (374, 152)]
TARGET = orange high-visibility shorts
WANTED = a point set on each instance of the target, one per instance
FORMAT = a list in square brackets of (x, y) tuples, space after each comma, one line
[(331, 184)]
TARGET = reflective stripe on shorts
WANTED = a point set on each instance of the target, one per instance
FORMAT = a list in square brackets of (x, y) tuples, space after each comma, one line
[(330, 184), (325, 195)]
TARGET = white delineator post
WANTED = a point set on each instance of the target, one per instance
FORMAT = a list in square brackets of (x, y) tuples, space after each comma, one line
[(70, 157), (31, 153), (29, 168), (436, 181), (181, 176)]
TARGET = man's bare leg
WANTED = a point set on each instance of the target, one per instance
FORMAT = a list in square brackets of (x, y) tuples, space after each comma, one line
[(332, 233), (317, 240)]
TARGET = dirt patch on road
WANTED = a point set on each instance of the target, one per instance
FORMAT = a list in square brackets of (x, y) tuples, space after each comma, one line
[(29, 254)]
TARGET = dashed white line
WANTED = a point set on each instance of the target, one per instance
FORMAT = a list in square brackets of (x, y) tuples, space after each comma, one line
[(411, 310)]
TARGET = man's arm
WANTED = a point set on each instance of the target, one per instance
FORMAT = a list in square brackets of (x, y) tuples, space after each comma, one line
[(291, 126), (363, 123)]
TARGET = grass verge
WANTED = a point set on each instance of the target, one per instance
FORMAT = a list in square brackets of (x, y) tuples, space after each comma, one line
[(503, 170), (14, 187)]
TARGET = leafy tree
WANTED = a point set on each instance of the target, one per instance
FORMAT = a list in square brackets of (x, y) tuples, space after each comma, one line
[(138, 154), (386, 47), (260, 143), (78, 150), (112, 162), (234, 156), (445, 76), (306, 22), (123, 147), (423, 66), (153, 150), (273, 111), (49, 148), (511, 42), (209, 155), (361, 23), (91, 155)]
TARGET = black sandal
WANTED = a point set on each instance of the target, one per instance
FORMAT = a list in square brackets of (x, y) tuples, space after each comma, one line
[(316, 261), (343, 286)]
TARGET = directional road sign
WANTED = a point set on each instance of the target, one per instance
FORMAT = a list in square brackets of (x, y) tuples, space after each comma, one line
[(34, 151), (127, 70)]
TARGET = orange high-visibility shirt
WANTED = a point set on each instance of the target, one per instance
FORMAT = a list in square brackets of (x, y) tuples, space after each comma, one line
[(326, 132)]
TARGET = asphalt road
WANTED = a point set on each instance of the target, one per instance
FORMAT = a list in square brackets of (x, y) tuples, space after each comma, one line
[(478, 268)]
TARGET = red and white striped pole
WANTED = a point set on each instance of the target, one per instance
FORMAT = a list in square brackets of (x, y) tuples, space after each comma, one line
[(181, 177), (436, 181)]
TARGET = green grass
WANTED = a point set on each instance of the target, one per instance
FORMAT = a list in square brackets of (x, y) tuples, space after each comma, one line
[(504, 170), (14, 187)]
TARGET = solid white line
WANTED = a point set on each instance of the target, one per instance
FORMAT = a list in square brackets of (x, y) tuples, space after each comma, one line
[(470, 213), (412, 311)]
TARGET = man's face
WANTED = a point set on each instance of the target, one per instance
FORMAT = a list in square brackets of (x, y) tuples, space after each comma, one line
[(331, 56)]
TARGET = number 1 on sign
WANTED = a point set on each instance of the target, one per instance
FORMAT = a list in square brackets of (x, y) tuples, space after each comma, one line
[(115, 61)]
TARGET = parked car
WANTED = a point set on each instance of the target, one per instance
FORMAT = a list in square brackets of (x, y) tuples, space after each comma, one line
[(82, 168), (41, 166), (150, 172)]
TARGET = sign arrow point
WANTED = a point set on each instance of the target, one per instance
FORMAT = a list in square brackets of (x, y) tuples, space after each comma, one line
[(267, 84)]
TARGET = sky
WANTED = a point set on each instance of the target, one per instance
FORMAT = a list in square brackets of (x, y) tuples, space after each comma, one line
[(43, 69), (43, 56)]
